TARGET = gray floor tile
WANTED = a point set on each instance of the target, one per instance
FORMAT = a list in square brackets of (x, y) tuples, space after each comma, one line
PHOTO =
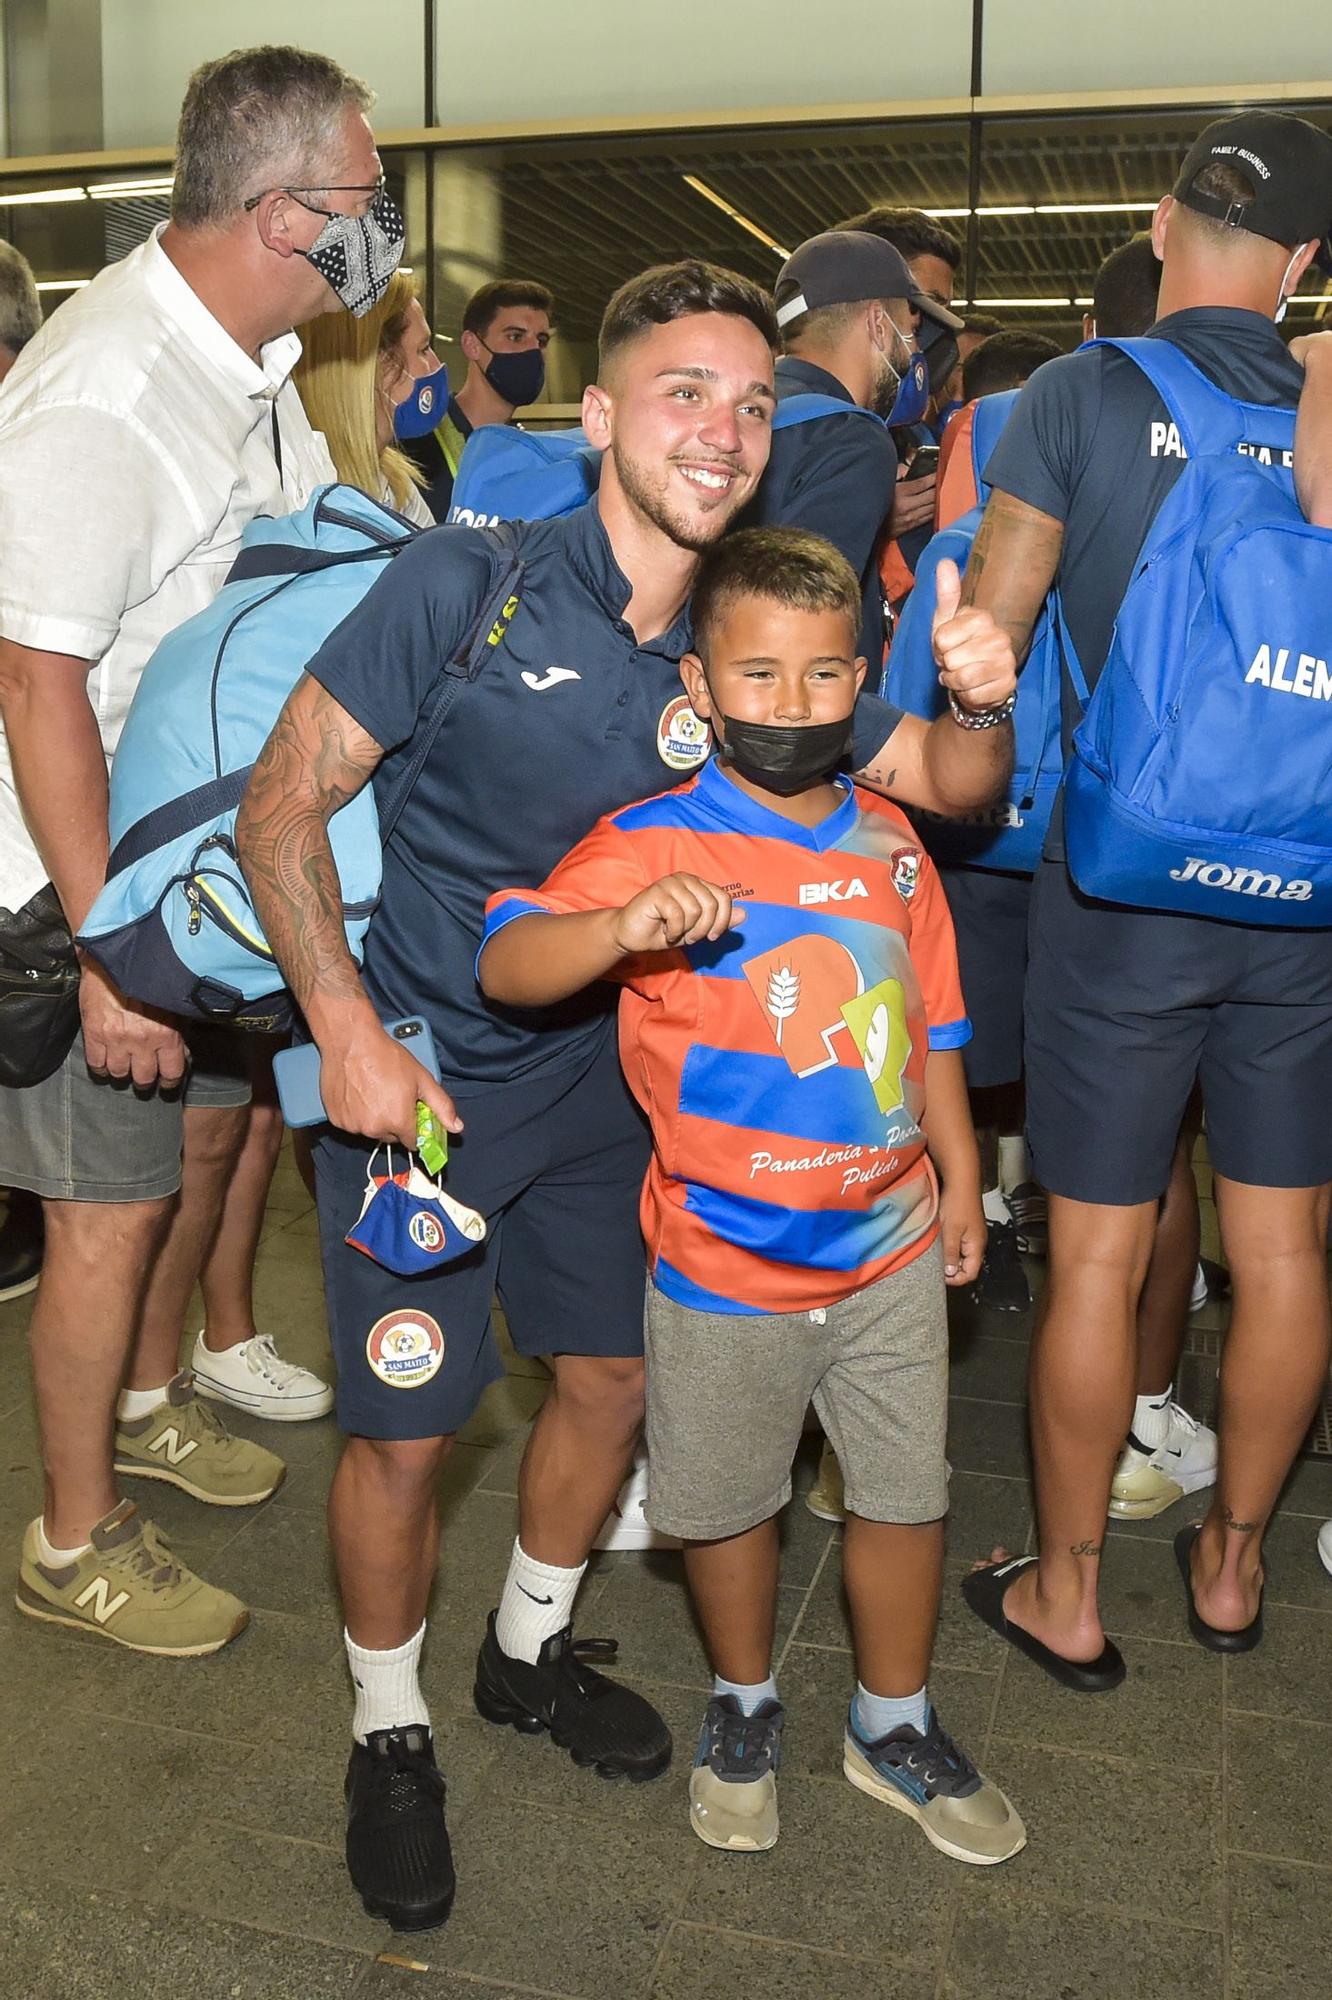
[(1290, 1673), (986, 1512), (987, 1437), (995, 1370), (1141, 1593), (699, 1964), (280, 1561), (1308, 1491), (397, 1975), (533, 1768), (1280, 1929), (804, 1541), (1295, 1574), (962, 1640), (291, 1887), (1033, 1953), (1171, 1700), (1279, 1795)]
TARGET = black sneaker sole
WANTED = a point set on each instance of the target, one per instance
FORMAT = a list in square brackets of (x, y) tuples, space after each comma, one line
[(492, 1708), (418, 1920)]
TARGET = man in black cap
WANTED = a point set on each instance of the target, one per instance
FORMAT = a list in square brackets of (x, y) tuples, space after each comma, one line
[(848, 309), (1125, 1007)]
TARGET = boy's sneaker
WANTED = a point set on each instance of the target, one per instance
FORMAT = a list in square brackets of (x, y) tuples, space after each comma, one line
[(186, 1444), (627, 1525), (826, 1498), (933, 1782), (254, 1377), (129, 1587), (398, 1853), (1031, 1218), (733, 1785), (1002, 1284), (1146, 1482), (596, 1720), (1325, 1546)]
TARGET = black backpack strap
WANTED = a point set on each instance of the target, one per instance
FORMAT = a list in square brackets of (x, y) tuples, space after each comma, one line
[(166, 823), (497, 608)]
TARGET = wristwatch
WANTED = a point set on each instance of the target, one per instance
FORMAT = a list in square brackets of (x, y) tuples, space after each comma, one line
[(982, 718)]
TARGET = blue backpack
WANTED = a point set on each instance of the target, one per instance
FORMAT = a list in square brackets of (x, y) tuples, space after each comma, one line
[(510, 475), (175, 925), (1202, 768), (1008, 835)]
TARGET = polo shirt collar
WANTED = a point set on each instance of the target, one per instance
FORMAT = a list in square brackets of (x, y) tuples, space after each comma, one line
[(744, 814), (262, 380), (802, 377), (591, 558)]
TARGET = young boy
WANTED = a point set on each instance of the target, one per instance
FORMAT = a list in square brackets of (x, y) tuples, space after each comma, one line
[(790, 1023)]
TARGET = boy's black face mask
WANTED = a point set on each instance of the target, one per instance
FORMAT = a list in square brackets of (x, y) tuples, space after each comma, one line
[(786, 758)]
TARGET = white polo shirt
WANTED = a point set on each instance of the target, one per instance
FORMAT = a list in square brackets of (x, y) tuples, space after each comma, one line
[(136, 443)]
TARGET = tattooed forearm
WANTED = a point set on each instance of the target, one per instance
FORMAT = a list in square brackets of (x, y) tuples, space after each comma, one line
[(1012, 565), (1238, 1527), (315, 760)]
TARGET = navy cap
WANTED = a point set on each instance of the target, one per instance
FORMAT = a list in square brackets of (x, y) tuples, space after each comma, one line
[(844, 266), (1287, 160)]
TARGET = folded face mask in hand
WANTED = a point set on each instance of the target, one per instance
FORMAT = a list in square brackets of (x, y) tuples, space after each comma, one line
[(408, 1224)]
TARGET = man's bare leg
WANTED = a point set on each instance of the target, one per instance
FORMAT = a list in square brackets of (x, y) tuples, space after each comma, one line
[(383, 1522), (578, 1455), (1273, 1372), (1163, 1309), (227, 1277), (83, 1322), (213, 1140)]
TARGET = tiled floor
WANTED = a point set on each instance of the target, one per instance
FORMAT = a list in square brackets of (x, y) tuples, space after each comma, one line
[(173, 1828)]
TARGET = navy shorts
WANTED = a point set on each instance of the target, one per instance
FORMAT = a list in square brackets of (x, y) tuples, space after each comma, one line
[(556, 1165), (990, 913), (1125, 1008)]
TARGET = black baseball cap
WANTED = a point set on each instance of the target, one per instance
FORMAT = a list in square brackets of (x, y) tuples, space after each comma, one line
[(844, 266), (1289, 162)]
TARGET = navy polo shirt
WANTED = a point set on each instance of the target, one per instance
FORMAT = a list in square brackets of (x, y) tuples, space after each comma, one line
[(836, 477), (570, 718)]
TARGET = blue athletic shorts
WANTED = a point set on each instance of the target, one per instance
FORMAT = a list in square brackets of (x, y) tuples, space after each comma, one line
[(990, 911), (555, 1164), (1126, 1007)]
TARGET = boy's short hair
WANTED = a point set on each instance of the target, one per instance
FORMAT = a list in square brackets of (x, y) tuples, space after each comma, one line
[(495, 297), (1004, 361), (786, 566)]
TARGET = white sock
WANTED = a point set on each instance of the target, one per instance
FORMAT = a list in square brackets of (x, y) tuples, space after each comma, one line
[(135, 1404), (536, 1604), (1151, 1418), (388, 1693), (994, 1205), (53, 1557), (876, 1714), (1013, 1166), (748, 1695)]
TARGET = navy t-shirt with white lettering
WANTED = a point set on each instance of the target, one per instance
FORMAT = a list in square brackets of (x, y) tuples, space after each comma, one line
[(1091, 444)]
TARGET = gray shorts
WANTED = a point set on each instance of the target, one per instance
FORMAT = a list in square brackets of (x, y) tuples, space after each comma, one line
[(80, 1137), (727, 1395)]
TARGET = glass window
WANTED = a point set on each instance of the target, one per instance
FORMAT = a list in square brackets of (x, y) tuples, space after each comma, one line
[(1035, 46)]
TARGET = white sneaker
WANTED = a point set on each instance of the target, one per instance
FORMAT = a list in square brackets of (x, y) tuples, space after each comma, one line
[(627, 1526), (1325, 1546), (1147, 1482), (1199, 1296), (254, 1377)]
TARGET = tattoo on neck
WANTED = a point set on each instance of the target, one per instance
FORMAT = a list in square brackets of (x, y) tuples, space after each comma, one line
[(1085, 1548), (1238, 1527)]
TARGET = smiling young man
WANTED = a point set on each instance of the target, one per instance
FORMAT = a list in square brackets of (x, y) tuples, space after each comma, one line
[(577, 707)]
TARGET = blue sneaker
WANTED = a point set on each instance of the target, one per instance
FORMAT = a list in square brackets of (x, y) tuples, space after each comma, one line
[(933, 1782), (733, 1785)]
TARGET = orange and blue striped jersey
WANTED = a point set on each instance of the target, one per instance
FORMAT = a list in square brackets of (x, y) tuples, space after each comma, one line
[(782, 1068)]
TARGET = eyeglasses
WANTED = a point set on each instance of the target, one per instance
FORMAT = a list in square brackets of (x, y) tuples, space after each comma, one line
[(373, 188)]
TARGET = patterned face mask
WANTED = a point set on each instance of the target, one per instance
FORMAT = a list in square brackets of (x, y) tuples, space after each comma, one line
[(408, 1224), (356, 255)]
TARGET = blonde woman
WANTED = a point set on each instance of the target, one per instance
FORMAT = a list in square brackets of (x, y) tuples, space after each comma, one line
[(355, 375)]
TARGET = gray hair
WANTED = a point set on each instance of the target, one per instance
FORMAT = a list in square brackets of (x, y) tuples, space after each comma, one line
[(20, 307), (255, 119)]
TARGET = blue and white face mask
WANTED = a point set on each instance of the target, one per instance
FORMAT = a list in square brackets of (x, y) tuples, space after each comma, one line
[(419, 413), (409, 1225)]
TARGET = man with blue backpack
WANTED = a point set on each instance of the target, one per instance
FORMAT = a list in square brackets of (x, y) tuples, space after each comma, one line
[(1179, 923), (570, 704)]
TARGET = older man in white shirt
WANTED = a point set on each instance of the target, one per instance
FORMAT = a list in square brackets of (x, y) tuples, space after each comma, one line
[(141, 430)]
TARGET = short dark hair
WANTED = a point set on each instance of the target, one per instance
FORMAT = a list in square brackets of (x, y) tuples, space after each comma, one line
[(255, 119), (786, 566), (1223, 180), (20, 306), (1125, 290), (669, 292), (983, 323), (480, 310), (1004, 361), (909, 230)]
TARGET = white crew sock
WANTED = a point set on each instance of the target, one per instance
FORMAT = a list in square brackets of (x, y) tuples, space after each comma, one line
[(877, 1714), (748, 1695), (388, 1693), (994, 1205), (1151, 1418), (536, 1604), (135, 1404), (1013, 1165), (53, 1557)]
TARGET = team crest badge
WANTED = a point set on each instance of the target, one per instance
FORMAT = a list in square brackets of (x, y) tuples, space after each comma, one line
[(683, 738), (905, 864), (405, 1349)]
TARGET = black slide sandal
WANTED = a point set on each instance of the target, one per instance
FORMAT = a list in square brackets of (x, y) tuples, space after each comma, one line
[(1212, 1636), (985, 1589)]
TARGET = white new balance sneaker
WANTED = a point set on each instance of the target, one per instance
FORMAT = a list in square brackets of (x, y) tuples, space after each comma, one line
[(1325, 1546), (627, 1526), (254, 1377), (1147, 1482)]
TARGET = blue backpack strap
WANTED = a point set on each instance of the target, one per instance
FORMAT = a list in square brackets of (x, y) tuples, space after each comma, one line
[(1069, 651), (1208, 420)]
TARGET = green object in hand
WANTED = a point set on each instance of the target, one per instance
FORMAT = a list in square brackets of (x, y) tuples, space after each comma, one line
[(431, 1141)]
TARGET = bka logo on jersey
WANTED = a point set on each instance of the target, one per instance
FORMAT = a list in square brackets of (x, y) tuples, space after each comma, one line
[(1310, 676), (832, 892), (1242, 881)]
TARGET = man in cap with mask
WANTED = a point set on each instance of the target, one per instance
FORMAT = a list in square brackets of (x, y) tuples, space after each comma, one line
[(167, 383), (848, 309), (1126, 1006), (505, 333)]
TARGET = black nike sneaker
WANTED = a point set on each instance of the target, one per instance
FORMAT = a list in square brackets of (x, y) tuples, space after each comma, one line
[(398, 1852), (597, 1721), (1002, 1283)]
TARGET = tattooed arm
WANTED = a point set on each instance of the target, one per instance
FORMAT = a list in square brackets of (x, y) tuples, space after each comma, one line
[(317, 758)]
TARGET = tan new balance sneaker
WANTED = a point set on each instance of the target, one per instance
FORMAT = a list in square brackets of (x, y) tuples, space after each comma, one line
[(129, 1587), (826, 1498), (186, 1443)]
